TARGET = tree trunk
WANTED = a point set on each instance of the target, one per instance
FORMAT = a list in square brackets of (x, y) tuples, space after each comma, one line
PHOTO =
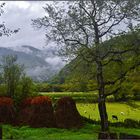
[(0, 132), (103, 114), (101, 100), (100, 81)]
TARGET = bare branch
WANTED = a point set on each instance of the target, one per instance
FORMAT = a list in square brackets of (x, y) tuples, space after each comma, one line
[(111, 15), (94, 12), (116, 22), (74, 40)]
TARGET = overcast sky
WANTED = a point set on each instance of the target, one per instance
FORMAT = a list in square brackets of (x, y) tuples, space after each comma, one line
[(18, 14)]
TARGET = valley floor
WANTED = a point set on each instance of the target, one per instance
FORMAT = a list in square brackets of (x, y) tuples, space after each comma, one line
[(88, 132), (90, 110)]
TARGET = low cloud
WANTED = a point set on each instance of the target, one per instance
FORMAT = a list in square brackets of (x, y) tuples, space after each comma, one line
[(18, 14), (55, 61)]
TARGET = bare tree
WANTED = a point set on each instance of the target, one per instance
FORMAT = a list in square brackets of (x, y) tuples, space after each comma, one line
[(4, 31), (80, 29)]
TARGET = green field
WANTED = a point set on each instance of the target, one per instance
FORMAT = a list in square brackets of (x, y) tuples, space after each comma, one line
[(88, 132), (90, 110), (77, 96)]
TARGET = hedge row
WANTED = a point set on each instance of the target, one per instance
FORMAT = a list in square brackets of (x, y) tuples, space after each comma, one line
[(39, 112)]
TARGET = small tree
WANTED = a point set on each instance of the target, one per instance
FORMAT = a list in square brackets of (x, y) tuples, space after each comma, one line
[(12, 73), (26, 86), (18, 85), (80, 30)]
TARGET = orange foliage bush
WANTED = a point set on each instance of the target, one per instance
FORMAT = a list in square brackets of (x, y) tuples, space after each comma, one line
[(66, 114), (6, 101), (7, 113), (36, 112), (26, 102), (41, 100), (35, 101)]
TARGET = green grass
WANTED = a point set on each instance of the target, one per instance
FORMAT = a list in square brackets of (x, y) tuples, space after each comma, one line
[(88, 132), (78, 96), (112, 109)]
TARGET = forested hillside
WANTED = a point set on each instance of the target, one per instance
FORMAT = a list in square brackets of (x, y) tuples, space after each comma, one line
[(79, 75)]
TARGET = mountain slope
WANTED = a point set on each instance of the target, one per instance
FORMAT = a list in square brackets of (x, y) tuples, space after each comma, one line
[(80, 70), (34, 61)]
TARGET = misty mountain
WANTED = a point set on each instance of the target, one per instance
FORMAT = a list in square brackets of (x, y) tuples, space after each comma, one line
[(41, 65)]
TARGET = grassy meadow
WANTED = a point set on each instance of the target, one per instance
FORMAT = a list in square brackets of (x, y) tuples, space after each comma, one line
[(90, 110), (88, 132), (77, 96), (87, 106)]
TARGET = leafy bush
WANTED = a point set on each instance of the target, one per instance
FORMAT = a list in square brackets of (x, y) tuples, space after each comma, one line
[(14, 83), (7, 112), (40, 100), (131, 123), (136, 91), (125, 92), (24, 89), (26, 102), (6, 101), (36, 112), (2, 90), (43, 87)]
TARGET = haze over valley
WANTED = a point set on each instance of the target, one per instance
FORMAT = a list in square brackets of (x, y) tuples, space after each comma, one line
[(39, 64)]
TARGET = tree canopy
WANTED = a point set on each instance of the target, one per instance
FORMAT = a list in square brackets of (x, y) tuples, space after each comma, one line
[(80, 28)]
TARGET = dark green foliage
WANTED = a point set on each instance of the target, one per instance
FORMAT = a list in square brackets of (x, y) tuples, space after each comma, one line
[(11, 74), (136, 91), (128, 136), (25, 89), (2, 90), (131, 123), (80, 76), (128, 123), (45, 87)]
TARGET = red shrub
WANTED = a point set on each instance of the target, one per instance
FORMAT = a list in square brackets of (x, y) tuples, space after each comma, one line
[(37, 112), (66, 114), (7, 113), (6, 101), (41, 100), (26, 102)]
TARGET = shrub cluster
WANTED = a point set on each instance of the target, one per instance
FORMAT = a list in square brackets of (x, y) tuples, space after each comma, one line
[(70, 87), (38, 112), (7, 112), (128, 123), (66, 114), (26, 101), (6, 101), (131, 123), (40, 100)]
